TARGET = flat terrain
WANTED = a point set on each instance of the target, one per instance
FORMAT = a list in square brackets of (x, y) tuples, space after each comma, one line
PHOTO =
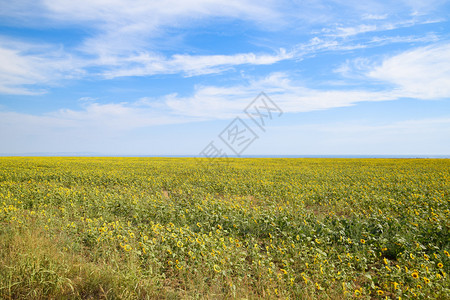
[(135, 228)]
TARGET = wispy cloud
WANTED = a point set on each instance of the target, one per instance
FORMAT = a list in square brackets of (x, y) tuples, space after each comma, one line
[(374, 17), (25, 66), (386, 40), (123, 28), (422, 73), (119, 37), (378, 25), (190, 65)]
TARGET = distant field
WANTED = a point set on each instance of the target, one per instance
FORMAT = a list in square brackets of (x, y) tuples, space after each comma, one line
[(137, 228)]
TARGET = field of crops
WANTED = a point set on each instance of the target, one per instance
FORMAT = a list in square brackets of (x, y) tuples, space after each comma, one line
[(239, 228)]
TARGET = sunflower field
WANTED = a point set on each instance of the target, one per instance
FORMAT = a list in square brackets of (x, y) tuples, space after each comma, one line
[(240, 228)]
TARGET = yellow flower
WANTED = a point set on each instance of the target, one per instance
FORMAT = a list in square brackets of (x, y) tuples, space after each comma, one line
[(411, 255), (357, 293), (415, 275), (216, 268), (180, 244), (363, 241), (127, 248), (385, 261), (440, 265), (419, 286), (304, 278), (198, 224), (426, 257), (426, 280), (380, 292), (395, 285)]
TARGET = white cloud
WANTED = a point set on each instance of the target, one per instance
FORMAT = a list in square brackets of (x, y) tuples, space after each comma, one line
[(422, 73), (121, 37), (190, 65), (109, 123), (377, 25), (114, 117), (206, 103), (383, 40), (121, 34), (124, 28), (26, 65), (374, 17), (212, 102)]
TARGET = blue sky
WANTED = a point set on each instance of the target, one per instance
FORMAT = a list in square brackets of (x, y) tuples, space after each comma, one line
[(166, 77)]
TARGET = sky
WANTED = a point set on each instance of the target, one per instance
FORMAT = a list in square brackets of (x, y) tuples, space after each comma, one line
[(236, 77)]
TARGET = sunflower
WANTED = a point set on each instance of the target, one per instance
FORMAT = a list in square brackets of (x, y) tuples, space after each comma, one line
[(380, 292), (440, 265), (363, 241), (426, 280), (415, 275)]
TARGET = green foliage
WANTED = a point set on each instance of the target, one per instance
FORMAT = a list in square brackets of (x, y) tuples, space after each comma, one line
[(138, 228)]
